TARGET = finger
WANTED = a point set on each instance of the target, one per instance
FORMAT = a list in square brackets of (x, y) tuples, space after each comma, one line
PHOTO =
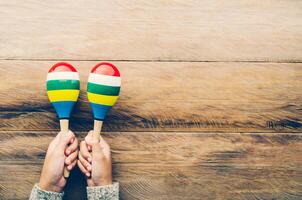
[(71, 166), (72, 147), (73, 156), (84, 151), (67, 137), (85, 163), (82, 168), (72, 140), (97, 150), (89, 139)]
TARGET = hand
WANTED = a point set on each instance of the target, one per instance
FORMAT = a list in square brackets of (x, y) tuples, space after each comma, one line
[(63, 149), (95, 161)]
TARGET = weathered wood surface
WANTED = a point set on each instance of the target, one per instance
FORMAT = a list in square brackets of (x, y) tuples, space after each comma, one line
[(172, 165), (190, 67), (247, 30), (224, 97)]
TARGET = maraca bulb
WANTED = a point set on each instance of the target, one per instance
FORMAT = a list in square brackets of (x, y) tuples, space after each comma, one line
[(103, 88), (63, 88)]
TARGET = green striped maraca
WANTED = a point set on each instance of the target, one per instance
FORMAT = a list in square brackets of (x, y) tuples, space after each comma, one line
[(63, 88), (103, 88)]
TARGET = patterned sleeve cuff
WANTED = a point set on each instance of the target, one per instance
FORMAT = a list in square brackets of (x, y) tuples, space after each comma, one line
[(37, 193), (110, 192)]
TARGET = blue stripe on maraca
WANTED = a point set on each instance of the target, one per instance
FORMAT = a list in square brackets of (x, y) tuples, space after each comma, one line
[(63, 108), (99, 111)]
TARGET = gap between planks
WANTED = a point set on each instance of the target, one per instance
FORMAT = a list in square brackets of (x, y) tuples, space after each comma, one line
[(186, 133), (216, 97)]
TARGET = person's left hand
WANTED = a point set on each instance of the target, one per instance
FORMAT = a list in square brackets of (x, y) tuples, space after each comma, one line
[(96, 167), (62, 150)]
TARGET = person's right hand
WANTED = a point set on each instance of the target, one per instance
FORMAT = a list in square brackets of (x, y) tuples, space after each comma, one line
[(95, 161), (63, 149)]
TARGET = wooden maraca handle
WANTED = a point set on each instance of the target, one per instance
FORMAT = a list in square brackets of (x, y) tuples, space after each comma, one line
[(97, 129), (64, 123)]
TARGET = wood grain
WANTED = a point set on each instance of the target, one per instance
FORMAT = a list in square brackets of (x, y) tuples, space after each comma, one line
[(232, 30), (171, 165), (198, 78), (224, 97)]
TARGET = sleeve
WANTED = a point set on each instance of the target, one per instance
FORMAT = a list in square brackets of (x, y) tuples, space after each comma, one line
[(38, 194), (107, 192)]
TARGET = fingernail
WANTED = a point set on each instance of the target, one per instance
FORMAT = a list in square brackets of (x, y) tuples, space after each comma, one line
[(68, 151), (87, 174), (89, 159), (89, 167)]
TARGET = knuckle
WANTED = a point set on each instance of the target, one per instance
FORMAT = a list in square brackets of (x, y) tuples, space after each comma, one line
[(75, 140), (86, 155), (80, 155), (73, 146), (74, 155), (83, 157)]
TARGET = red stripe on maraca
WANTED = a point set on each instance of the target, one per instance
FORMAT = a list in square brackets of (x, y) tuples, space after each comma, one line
[(62, 67), (105, 68)]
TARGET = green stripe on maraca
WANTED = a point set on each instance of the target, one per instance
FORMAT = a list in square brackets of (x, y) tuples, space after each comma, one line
[(103, 89), (63, 84), (63, 88)]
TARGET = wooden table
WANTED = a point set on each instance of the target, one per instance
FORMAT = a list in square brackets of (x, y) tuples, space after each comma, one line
[(211, 99)]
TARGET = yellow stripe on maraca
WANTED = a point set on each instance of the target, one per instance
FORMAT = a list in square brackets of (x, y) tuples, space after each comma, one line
[(102, 99), (63, 95)]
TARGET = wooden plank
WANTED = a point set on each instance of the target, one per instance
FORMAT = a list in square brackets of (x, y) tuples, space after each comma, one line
[(172, 165), (247, 30), (224, 97)]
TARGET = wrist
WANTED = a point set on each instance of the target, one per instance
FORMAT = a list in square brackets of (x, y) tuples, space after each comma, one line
[(105, 182), (101, 182), (49, 187)]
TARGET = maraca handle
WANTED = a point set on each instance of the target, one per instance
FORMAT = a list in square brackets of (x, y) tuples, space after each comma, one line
[(66, 172), (64, 123), (97, 129)]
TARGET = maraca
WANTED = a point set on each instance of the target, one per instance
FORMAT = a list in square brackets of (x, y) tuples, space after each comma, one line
[(103, 88), (63, 88)]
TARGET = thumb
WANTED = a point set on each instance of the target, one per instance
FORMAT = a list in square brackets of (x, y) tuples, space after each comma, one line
[(96, 148), (89, 138), (67, 138)]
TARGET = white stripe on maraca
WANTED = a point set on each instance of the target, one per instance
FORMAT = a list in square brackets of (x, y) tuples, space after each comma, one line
[(63, 75), (104, 79)]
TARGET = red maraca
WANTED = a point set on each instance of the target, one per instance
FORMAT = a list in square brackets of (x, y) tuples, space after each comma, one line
[(103, 88), (63, 87)]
